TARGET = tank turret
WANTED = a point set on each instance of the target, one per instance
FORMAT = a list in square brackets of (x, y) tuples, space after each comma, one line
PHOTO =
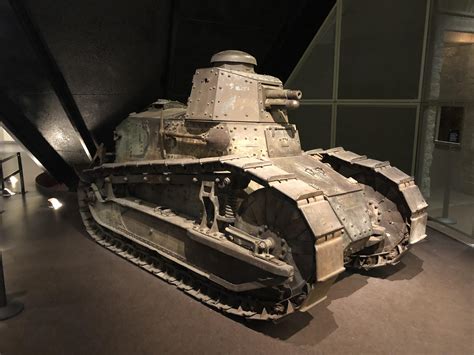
[(231, 91), (231, 110)]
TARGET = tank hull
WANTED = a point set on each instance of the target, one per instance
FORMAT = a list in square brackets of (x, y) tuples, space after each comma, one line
[(157, 210)]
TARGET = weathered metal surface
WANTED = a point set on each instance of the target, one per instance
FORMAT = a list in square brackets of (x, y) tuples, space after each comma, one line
[(219, 200), (317, 174)]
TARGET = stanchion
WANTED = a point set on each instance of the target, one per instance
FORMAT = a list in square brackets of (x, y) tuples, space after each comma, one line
[(7, 309)]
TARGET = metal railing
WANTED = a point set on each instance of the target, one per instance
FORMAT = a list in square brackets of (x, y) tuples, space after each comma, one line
[(19, 171)]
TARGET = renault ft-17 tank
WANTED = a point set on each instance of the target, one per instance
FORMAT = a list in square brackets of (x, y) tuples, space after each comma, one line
[(218, 198)]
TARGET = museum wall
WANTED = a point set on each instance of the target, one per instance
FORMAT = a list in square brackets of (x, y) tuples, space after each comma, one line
[(117, 57), (24, 81)]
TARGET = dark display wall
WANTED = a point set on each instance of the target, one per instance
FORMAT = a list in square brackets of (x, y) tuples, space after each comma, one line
[(63, 62), (365, 64)]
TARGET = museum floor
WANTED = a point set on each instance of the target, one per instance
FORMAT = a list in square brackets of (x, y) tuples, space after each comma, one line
[(80, 298)]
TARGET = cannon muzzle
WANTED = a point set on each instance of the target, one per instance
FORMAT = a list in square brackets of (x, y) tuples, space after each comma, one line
[(288, 99), (283, 94)]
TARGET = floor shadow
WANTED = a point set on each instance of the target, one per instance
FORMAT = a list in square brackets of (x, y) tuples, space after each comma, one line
[(308, 328), (72, 216), (313, 327), (17, 294), (283, 329), (409, 267), (346, 284)]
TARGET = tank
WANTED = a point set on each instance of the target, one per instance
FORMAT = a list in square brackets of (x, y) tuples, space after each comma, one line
[(217, 198)]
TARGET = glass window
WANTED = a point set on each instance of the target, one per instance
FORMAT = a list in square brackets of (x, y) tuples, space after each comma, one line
[(383, 133), (445, 171), (314, 125), (314, 73), (381, 49)]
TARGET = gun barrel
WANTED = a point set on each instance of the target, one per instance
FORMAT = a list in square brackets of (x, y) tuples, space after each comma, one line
[(283, 94), (289, 104)]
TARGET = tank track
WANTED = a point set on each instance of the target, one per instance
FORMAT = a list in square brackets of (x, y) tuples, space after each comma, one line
[(260, 170), (207, 292), (186, 281), (415, 205)]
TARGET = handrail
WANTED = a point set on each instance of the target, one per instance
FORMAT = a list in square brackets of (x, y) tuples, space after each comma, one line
[(16, 172)]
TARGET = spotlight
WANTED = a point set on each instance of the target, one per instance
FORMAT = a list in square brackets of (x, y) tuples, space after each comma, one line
[(7, 192), (13, 180), (54, 203)]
